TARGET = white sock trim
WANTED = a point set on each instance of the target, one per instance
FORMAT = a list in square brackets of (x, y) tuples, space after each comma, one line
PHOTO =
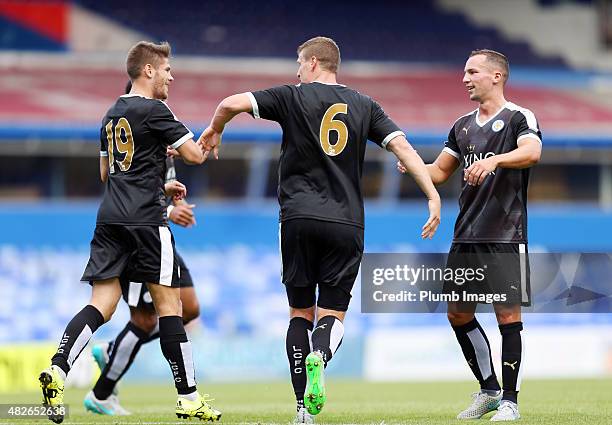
[(191, 396), (123, 352), (483, 354), (335, 338)]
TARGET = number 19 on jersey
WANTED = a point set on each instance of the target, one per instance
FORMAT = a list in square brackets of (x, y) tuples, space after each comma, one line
[(123, 147)]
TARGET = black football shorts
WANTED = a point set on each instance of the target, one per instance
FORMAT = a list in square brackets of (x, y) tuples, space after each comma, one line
[(147, 250), (490, 271), (321, 254), (136, 294)]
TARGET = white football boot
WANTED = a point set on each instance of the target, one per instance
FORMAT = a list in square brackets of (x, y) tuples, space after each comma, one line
[(482, 403), (507, 411)]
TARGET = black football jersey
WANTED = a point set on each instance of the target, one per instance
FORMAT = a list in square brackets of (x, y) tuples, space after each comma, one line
[(325, 130), (495, 211), (134, 136)]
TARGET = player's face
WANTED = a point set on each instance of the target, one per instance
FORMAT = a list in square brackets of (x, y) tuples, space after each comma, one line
[(305, 72), (162, 80), (478, 77)]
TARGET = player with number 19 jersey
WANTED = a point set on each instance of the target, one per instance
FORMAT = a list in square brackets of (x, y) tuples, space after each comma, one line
[(132, 225), (135, 134)]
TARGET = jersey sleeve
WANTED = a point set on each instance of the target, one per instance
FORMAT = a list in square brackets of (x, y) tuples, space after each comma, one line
[(524, 124), (103, 138), (382, 128), (451, 146), (163, 122), (103, 142), (271, 104)]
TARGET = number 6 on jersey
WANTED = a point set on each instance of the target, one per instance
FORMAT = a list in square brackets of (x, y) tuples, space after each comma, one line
[(329, 124)]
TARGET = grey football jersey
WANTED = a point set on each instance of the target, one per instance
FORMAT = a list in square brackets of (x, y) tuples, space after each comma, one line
[(495, 211)]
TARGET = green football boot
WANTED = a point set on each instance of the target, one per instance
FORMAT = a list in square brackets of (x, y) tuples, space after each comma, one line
[(314, 397), (200, 409)]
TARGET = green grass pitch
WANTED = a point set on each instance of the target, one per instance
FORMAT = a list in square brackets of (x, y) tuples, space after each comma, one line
[(551, 402)]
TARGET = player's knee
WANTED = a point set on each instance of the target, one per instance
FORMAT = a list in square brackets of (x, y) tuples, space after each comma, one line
[(107, 311), (323, 312), (505, 317), (458, 319), (143, 319), (305, 313), (191, 311), (105, 296), (105, 307)]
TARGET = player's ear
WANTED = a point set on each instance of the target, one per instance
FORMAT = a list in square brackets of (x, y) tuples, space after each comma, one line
[(148, 70), (498, 77), (313, 62)]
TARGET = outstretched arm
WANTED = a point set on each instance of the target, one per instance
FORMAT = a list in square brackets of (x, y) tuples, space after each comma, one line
[(229, 108), (226, 110), (441, 169), (416, 168), (189, 152)]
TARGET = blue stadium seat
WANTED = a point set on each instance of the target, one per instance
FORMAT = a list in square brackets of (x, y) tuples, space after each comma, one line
[(413, 31)]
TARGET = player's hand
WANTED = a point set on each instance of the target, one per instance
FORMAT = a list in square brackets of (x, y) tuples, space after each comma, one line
[(182, 214), (172, 152), (210, 140), (401, 168), (429, 229), (476, 173), (176, 190)]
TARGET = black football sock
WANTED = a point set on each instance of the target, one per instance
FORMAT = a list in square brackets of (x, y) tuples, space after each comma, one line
[(298, 347), (155, 332), (76, 336), (512, 357), (125, 347), (177, 350), (327, 337), (477, 353)]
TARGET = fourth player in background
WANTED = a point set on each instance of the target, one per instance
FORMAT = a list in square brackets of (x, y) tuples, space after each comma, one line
[(325, 129), (497, 143)]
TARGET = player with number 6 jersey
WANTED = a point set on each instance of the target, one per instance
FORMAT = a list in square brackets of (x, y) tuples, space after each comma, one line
[(325, 131), (326, 126)]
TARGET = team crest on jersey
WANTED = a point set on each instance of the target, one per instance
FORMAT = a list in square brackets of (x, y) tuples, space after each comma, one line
[(497, 125)]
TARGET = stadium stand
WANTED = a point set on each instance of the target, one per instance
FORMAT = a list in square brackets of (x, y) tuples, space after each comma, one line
[(418, 32)]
